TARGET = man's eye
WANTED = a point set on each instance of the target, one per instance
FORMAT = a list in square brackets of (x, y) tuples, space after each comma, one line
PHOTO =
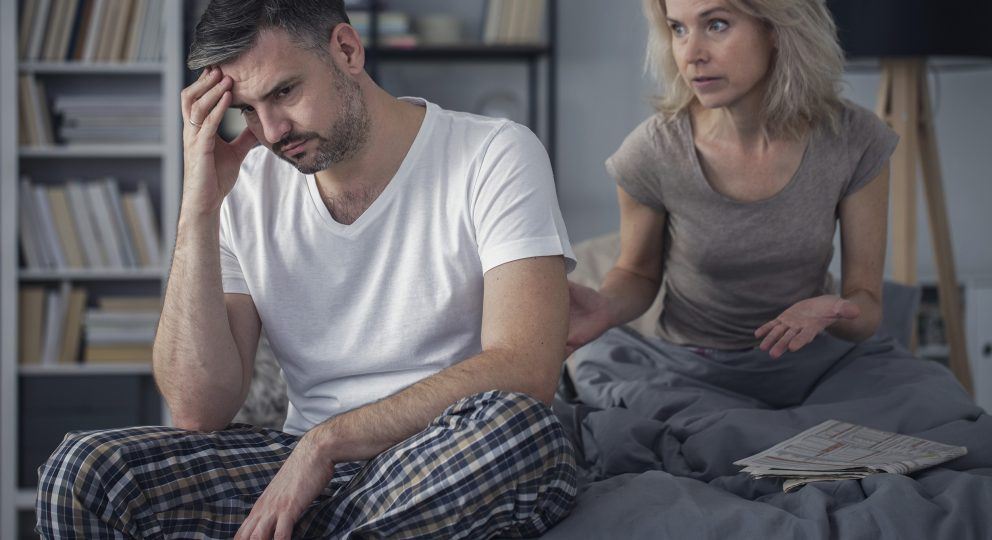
[(283, 92), (247, 110)]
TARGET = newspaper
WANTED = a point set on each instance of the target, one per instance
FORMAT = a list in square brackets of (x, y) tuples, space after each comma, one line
[(836, 450)]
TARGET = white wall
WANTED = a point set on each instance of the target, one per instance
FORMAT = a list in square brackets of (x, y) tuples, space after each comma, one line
[(603, 95)]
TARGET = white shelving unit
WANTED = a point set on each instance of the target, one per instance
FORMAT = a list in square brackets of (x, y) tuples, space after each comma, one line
[(161, 162)]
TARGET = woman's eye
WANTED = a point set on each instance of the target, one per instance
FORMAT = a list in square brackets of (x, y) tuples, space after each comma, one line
[(678, 30), (718, 25)]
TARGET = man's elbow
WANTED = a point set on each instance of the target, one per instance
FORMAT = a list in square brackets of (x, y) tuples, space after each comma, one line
[(195, 423)]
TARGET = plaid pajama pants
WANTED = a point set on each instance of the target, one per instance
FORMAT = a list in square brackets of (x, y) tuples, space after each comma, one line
[(493, 464)]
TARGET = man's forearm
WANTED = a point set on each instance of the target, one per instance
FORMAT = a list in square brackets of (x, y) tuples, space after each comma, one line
[(367, 431), (196, 361)]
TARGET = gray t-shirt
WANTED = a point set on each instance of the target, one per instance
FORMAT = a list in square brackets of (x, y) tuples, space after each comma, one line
[(731, 266)]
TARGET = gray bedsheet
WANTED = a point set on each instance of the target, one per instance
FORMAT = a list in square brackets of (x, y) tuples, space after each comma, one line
[(659, 427)]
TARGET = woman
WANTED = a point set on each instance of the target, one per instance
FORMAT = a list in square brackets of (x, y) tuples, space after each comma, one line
[(731, 193)]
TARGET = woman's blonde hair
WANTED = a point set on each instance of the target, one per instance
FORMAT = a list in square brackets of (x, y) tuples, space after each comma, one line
[(805, 77)]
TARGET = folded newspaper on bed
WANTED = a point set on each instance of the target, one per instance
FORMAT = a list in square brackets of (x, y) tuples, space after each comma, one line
[(837, 450)]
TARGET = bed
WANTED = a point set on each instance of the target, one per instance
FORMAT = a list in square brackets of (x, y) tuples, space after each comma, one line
[(657, 442), (658, 429)]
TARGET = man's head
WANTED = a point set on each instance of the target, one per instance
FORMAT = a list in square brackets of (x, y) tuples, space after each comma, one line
[(295, 70), (230, 28)]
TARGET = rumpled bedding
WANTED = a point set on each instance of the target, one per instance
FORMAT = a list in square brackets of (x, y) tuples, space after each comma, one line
[(658, 427)]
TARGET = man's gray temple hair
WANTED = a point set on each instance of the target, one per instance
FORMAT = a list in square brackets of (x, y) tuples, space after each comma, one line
[(230, 28)]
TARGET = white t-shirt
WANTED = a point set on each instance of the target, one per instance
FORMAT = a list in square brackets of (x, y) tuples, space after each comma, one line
[(355, 313)]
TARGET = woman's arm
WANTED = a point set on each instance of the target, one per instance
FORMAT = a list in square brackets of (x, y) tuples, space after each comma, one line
[(630, 287), (856, 314), (632, 284), (863, 231)]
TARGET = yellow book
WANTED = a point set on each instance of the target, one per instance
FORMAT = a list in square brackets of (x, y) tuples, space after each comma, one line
[(124, 354), (31, 321), (73, 328), (71, 245)]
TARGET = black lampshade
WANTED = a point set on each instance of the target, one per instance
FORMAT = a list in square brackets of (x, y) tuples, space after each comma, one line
[(913, 27)]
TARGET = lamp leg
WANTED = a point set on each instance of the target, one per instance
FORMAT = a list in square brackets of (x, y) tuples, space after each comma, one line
[(900, 111), (940, 233)]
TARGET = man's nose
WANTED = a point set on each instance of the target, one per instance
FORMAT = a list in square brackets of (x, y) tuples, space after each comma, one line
[(274, 127)]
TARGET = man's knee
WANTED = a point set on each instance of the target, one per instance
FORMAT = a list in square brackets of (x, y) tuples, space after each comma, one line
[(522, 426)]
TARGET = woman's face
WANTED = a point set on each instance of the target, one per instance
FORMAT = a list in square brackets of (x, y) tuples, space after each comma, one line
[(722, 53)]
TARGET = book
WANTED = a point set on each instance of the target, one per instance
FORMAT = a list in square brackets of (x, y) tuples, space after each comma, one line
[(68, 27), (146, 221), (104, 225), (53, 33), (28, 231), (46, 224), (42, 114), (130, 303), (123, 12), (92, 251), (93, 30), (835, 450), (28, 10), (25, 106), (56, 304), (138, 14), (94, 354), (80, 29), (105, 37), (38, 24), (65, 227), (73, 326), (113, 194), (134, 229), (491, 24), (31, 321)]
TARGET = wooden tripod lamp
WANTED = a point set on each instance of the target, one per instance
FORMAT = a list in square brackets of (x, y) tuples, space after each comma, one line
[(904, 35)]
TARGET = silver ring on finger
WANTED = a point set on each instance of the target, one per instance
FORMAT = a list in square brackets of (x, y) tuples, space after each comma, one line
[(194, 124)]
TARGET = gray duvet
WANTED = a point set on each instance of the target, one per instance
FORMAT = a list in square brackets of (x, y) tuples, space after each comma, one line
[(658, 428)]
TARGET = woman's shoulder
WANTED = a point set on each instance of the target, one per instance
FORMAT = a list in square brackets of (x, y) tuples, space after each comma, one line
[(658, 139), (858, 125)]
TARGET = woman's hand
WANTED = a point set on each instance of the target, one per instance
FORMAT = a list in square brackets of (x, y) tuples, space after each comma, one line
[(798, 325), (589, 316), (211, 165)]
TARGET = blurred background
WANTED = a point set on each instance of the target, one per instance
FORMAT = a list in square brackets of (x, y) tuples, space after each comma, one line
[(91, 176)]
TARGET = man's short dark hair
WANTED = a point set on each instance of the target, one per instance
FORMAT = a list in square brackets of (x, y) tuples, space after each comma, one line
[(230, 28)]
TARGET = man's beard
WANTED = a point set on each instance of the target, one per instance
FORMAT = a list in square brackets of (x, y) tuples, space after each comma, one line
[(343, 140)]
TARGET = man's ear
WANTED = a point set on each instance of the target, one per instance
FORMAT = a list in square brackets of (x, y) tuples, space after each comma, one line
[(346, 48)]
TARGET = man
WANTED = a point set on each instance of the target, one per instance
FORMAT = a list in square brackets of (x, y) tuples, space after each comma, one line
[(408, 264)]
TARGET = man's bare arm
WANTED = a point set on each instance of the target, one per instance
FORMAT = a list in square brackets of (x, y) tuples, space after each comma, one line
[(205, 345), (524, 325)]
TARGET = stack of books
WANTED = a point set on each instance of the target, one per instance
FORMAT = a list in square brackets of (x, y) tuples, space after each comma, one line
[(394, 28), (514, 22), (87, 225), (122, 329), (109, 119), (91, 30)]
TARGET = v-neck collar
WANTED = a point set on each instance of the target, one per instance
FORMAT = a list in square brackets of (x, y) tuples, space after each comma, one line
[(388, 193), (701, 175)]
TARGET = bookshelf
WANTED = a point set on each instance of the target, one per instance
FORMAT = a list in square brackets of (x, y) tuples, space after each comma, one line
[(32, 391), (490, 43)]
